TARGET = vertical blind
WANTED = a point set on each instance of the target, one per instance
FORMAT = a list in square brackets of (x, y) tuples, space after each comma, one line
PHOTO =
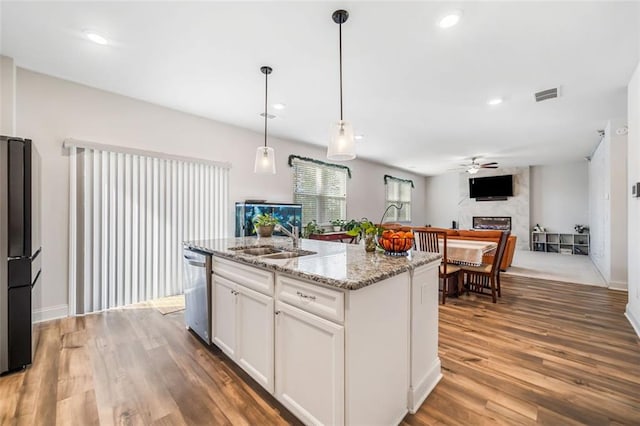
[(398, 192), (132, 213), (321, 189)]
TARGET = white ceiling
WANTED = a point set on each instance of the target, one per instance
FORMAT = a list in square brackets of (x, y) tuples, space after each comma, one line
[(417, 92)]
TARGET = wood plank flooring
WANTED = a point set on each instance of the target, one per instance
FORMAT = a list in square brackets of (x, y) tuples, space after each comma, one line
[(546, 353)]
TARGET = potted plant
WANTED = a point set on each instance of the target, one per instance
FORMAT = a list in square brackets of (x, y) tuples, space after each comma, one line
[(351, 224), (338, 224), (311, 228), (368, 232), (264, 224)]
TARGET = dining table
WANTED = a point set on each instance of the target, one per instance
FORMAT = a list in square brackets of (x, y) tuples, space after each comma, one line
[(467, 252)]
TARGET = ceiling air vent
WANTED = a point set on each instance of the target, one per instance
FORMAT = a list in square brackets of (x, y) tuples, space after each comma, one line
[(546, 94)]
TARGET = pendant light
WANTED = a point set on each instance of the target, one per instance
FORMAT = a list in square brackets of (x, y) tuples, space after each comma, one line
[(342, 144), (265, 156)]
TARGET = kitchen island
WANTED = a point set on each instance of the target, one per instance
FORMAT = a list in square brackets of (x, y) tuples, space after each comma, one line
[(337, 335)]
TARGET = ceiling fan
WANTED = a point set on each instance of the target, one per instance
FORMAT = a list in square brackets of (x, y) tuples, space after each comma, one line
[(475, 166)]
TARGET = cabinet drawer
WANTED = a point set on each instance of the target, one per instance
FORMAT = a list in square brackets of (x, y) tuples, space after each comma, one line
[(248, 276), (324, 302)]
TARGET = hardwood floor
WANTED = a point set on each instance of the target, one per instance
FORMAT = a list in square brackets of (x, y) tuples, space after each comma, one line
[(546, 353)]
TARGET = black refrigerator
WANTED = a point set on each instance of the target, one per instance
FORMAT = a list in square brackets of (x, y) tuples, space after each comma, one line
[(20, 251)]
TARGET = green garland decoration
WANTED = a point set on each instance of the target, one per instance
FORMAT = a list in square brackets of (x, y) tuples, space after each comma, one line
[(322, 163), (388, 177)]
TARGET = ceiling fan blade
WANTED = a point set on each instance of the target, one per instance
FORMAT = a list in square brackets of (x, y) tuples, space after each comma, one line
[(488, 167), (493, 163)]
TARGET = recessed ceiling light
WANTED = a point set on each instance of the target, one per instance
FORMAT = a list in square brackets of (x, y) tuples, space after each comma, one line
[(279, 106), (96, 38), (494, 101), (358, 137), (450, 20)]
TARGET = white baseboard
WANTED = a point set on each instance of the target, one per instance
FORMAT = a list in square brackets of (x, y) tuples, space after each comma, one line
[(420, 391), (618, 285), (635, 322), (50, 313)]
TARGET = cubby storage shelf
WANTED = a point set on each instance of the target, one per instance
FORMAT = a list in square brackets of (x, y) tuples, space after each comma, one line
[(555, 242)]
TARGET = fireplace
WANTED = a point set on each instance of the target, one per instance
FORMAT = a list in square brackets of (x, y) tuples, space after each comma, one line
[(500, 223)]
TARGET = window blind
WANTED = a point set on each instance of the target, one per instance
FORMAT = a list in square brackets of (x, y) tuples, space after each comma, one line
[(398, 192), (130, 215), (321, 189)]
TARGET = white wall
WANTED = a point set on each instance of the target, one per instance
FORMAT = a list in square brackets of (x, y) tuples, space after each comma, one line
[(599, 207), (50, 110), (7, 96), (443, 197), (633, 208), (559, 196), (608, 206), (619, 197)]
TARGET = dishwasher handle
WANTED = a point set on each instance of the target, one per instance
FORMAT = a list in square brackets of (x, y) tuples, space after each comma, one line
[(193, 263)]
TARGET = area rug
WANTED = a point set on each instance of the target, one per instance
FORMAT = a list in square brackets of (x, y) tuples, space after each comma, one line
[(168, 305)]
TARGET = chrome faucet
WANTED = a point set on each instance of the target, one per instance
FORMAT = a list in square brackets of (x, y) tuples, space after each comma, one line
[(294, 234)]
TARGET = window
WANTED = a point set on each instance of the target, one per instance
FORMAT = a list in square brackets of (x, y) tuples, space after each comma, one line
[(398, 192), (321, 188)]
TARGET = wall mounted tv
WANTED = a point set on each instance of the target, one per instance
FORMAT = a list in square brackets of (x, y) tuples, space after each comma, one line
[(491, 187)]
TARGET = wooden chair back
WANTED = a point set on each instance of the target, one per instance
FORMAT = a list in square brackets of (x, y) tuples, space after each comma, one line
[(430, 241), (502, 245)]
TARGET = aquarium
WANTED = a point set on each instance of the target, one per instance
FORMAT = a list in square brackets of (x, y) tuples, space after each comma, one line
[(285, 213)]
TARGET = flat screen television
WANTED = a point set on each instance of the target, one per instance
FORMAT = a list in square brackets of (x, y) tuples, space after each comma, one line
[(491, 187)]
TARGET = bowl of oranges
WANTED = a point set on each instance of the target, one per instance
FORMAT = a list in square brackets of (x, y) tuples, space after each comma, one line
[(396, 243)]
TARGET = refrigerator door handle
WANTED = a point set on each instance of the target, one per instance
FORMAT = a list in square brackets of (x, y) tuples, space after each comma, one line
[(36, 254), (36, 279)]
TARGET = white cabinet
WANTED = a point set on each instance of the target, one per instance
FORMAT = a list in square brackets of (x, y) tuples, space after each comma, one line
[(330, 356), (309, 365), (553, 242), (224, 315), (254, 325), (243, 323)]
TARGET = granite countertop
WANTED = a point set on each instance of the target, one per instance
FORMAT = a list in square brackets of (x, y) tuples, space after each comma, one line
[(346, 266)]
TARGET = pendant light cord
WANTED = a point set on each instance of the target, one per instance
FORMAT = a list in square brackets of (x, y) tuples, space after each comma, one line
[(266, 92), (340, 44)]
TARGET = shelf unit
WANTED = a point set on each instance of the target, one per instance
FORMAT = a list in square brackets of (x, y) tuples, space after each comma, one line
[(554, 242)]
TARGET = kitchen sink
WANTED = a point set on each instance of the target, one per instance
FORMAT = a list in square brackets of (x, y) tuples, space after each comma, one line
[(258, 251), (288, 254), (269, 252)]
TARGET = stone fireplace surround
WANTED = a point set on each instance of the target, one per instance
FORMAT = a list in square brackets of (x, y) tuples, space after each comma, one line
[(516, 207)]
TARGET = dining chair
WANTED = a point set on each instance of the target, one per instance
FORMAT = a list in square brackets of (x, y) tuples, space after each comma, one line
[(486, 276), (430, 241)]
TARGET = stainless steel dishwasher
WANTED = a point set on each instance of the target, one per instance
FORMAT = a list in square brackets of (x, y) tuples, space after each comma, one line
[(197, 292)]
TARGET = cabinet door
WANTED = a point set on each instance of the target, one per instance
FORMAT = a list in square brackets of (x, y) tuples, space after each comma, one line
[(255, 335), (309, 365), (224, 315), (425, 363)]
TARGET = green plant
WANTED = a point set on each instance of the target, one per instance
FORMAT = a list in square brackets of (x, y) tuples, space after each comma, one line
[(351, 224), (264, 219), (339, 222), (311, 228), (364, 227)]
